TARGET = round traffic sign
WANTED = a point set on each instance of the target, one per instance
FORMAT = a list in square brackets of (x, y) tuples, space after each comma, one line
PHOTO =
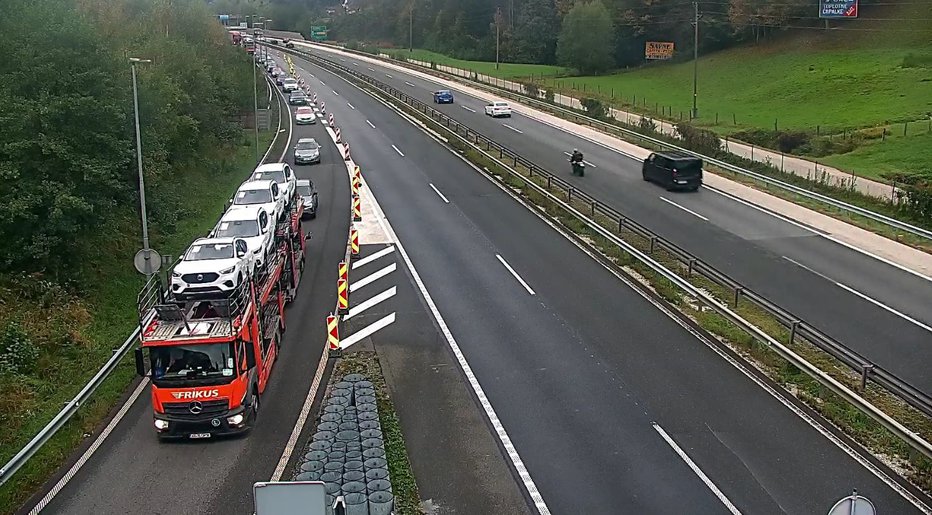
[(147, 261)]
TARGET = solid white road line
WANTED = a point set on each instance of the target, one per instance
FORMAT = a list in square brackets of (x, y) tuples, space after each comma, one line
[(851, 290), (90, 450), (518, 277), (368, 303), (818, 233), (351, 106), (396, 150), (695, 468), (512, 128), (370, 124), (292, 443), (409, 84), (367, 331), (690, 211), (372, 277), (498, 428), (471, 110), (438, 193), (368, 259)]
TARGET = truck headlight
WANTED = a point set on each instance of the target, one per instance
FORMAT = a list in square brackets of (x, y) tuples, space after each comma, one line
[(160, 424), (235, 420)]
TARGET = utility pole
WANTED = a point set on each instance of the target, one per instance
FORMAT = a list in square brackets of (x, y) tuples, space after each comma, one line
[(255, 96), (696, 60), (411, 28), (498, 33)]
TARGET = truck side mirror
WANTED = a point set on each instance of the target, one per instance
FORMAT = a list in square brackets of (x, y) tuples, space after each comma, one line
[(140, 362), (250, 357)]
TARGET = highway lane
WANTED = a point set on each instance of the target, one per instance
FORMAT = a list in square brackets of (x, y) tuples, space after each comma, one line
[(133, 473), (876, 309), (581, 370)]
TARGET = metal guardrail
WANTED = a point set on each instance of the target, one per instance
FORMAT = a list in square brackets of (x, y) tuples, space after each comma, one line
[(72, 407), (607, 127), (798, 327)]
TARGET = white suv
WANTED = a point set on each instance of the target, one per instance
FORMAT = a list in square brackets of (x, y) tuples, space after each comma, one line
[(265, 194), (282, 174), (212, 266), (289, 84), (498, 108), (252, 224)]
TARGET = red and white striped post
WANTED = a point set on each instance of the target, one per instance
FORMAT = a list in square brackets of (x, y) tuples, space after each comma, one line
[(339, 136), (346, 154), (330, 119)]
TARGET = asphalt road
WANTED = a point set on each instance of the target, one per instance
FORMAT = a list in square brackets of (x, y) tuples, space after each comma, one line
[(133, 473), (590, 380), (876, 309)]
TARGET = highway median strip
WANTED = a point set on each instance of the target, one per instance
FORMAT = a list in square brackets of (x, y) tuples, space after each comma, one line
[(880, 441)]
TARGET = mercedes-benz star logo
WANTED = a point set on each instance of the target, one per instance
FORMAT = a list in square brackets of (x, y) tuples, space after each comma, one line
[(195, 407)]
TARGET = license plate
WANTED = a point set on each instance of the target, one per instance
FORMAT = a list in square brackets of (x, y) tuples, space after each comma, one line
[(199, 435)]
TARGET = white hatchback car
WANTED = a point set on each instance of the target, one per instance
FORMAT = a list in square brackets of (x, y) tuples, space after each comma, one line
[(212, 266), (282, 174), (289, 84), (252, 224), (264, 194), (498, 108)]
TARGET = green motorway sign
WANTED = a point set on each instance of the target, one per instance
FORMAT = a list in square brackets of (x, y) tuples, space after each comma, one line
[(319, 33)]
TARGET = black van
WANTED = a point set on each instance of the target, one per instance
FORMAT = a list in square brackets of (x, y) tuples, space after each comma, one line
[(674, 170)]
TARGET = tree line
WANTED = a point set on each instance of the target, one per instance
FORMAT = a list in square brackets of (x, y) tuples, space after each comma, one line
[(67, 144), (590, 36)]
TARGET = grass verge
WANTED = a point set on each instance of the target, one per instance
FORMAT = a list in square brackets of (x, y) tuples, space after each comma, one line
[(404, 487), (872, 435), (102, 319), (504, 71)]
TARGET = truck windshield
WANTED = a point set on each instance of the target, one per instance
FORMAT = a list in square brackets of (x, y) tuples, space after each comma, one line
[(192, 361), (238, 229), (248, 197)]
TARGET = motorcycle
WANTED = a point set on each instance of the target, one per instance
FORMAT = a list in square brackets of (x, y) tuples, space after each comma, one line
[(579, 168)]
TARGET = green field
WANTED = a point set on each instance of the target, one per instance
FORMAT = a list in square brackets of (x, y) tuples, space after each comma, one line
[(505, 70)]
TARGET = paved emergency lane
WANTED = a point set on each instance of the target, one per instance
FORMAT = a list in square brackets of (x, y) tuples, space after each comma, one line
[(874, 308), (601, 394), (132, 472)]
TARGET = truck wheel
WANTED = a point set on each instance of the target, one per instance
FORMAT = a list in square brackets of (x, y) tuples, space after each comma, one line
[(255, 406)]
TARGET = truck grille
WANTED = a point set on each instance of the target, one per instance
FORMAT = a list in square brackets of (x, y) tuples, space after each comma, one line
[(208, 277), (208, 409)]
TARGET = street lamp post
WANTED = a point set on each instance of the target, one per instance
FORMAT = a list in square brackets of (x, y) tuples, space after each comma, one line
[(146, 251), (255, 99)]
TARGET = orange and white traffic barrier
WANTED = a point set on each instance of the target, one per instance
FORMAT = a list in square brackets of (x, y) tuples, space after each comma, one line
[(346, 154), (330, 120), (343, 293), (357, 210), (333, 334), (354, 241), (315, 98), (339, 136), (323, 107)]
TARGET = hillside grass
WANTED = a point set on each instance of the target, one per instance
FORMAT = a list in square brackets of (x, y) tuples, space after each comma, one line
[(100, 319), (505, 70)]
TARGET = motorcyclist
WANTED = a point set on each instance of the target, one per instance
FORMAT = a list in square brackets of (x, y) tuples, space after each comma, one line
[(577, 156)]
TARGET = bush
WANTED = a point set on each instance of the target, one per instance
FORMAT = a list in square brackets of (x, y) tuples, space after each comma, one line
[(548, 95), (18, 355), (532, 90), (646, 124), (700, 140), (790, 141), (594, 108)]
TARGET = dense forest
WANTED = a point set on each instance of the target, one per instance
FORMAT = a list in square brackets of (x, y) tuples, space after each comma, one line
[(531, 30), (67, 150)]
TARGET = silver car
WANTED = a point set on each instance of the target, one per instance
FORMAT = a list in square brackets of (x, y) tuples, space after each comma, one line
[(307, 150), (309, 197)]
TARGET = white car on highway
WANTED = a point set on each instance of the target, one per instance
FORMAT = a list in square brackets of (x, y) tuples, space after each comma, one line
[(498, 108), (264, 194), (282, 174), (290, 84), (211, 267), (305, 116), (253, 224)]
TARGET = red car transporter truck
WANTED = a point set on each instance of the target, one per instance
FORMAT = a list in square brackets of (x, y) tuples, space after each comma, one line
[(210, 354)]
